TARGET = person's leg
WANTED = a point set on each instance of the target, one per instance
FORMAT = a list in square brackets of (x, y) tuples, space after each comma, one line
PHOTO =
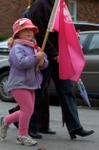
[(25, 99), (64, 91), (67, 101), (35, 118), (68, 105), (44, 105), (45, 114), (12, 110)]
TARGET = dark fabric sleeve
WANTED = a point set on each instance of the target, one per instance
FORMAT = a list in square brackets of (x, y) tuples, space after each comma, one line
[(39, 14)]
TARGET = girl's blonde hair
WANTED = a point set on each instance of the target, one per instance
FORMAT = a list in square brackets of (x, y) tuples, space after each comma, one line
[(10, 42)]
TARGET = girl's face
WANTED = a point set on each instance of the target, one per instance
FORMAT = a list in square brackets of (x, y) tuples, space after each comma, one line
[(26, 34)]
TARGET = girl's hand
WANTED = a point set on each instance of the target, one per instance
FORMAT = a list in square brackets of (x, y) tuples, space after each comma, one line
[(41, 62), (40, 56)]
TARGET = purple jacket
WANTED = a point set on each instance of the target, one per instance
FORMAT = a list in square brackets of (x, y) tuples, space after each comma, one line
[(23, 72)]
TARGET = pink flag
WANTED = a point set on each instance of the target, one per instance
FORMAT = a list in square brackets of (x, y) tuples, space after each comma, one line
[(71, 58)]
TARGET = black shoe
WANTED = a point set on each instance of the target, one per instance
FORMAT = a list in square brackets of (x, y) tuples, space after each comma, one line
[(80, 132), (47, 131), (72, 136), (35, 135)]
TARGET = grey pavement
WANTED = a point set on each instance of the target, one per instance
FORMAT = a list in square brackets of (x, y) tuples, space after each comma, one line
[(61, 141)]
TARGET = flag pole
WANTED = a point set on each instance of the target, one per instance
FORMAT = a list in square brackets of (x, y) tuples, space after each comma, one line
[(45, 41), (49, 27), (50, 24)]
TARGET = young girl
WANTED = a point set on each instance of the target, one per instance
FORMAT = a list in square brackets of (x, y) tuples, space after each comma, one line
[(24, 77)]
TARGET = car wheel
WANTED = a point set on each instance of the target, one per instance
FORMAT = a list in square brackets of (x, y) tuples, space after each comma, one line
[(4, 95)]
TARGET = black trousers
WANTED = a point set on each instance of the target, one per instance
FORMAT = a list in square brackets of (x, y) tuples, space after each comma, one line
[(41, 116), (64, 90), (66, 98)]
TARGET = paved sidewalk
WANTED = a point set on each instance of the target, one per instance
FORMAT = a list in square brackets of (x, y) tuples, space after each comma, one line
[(60, 141)]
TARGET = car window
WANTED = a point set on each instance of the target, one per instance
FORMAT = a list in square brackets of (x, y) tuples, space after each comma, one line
[(94, 45), (83, 38), (85, 26)]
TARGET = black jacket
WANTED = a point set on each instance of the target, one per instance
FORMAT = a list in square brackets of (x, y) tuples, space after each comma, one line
[(39, 14)]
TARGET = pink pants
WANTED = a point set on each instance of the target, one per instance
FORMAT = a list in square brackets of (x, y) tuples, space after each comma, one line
[(26, 100)]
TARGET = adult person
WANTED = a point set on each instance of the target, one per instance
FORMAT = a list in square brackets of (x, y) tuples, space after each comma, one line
[(40, 13), (38, 119)]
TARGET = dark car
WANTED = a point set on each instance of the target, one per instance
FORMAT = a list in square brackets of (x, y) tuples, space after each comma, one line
[(90, 76), (4, 71)]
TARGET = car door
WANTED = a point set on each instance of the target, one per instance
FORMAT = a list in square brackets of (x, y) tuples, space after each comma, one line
[(90, 75)]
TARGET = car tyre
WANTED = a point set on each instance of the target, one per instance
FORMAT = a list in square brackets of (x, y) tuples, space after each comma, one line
[(4, 95)]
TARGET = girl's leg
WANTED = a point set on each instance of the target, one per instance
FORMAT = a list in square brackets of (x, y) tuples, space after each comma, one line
[(26, 112), (25, 99)]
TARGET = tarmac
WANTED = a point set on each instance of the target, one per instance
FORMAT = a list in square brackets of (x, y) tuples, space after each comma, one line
[(60, 141)]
